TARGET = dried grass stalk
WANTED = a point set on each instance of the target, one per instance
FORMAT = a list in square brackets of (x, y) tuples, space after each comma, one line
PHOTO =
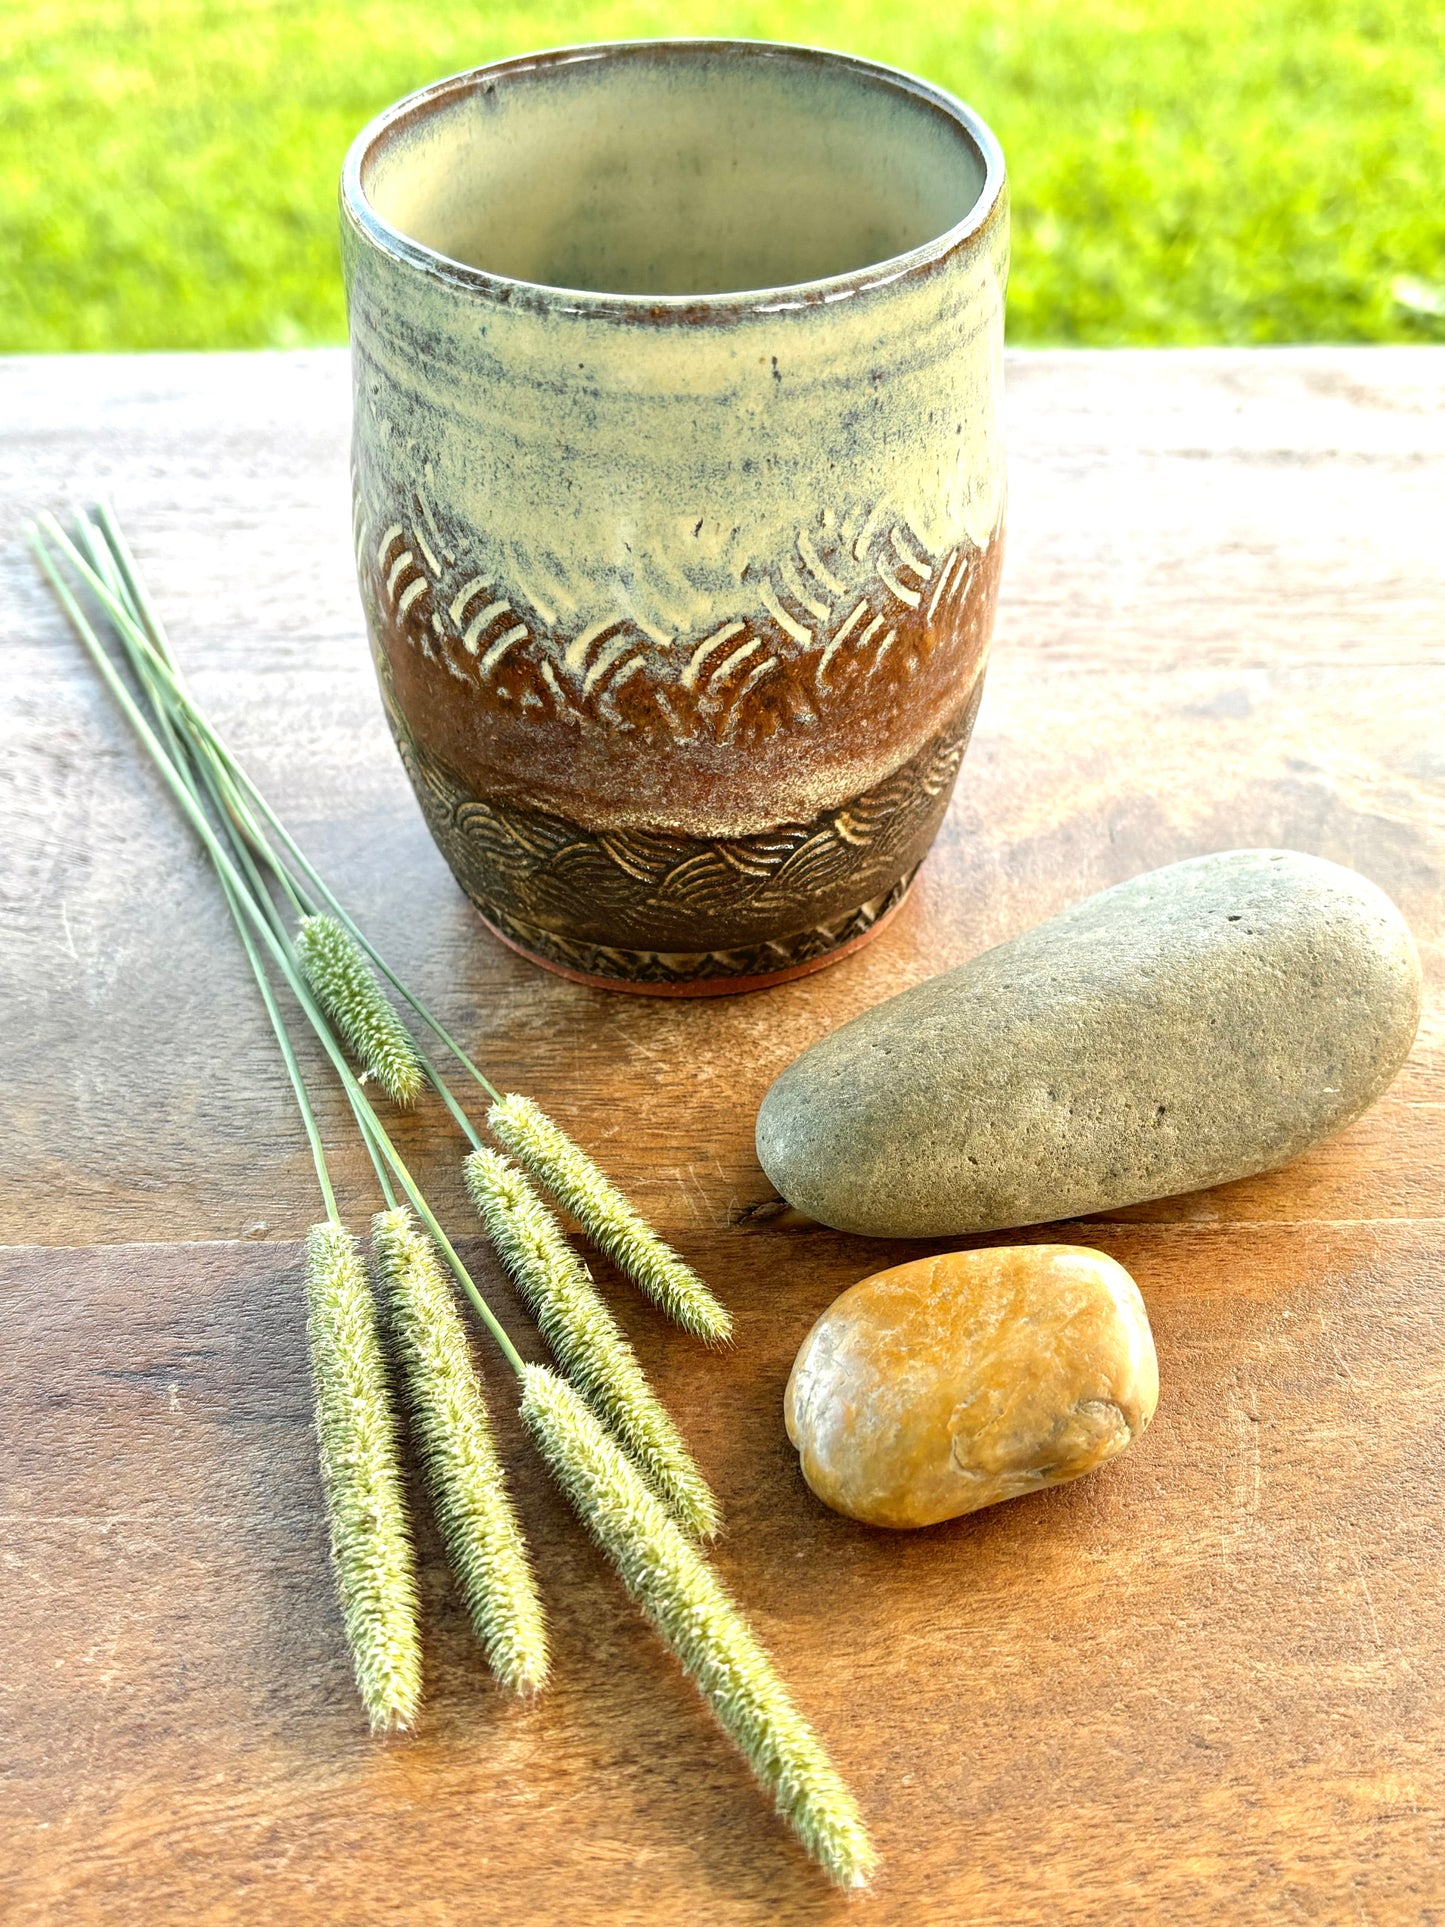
[(612, 1224), (469, 1489), (585, 1338), (347, 990), (681, 1595), (370, 1538)]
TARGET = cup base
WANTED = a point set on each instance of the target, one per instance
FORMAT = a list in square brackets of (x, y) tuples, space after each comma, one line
[(706, 973)]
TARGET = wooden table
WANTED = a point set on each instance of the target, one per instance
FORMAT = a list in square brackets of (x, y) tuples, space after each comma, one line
[(1207, 1685)]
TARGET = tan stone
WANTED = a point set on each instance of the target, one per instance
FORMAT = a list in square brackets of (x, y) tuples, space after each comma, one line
[(957, 1381)]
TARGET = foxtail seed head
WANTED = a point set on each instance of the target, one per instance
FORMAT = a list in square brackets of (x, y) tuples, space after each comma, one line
[(468, 1486), (681, 1595), (585, 1338), (611, 1222), (370, 1539), (347, 990)]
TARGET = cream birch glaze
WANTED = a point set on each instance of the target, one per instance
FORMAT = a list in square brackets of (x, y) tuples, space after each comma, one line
[(679, 476)]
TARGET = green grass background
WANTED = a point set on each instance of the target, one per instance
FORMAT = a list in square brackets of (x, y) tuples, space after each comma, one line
[(1183, 170)]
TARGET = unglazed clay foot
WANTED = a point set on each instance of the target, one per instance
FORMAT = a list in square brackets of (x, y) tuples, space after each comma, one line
[(954, 1382)]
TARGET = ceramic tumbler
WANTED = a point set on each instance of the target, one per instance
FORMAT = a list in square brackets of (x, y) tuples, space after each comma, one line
[(679, 490)]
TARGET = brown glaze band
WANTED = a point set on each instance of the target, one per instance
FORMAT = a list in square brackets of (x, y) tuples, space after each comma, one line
[(665, 910), (778, 711)]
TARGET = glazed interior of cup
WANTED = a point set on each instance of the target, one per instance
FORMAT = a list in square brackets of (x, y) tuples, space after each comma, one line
[(675, 168)]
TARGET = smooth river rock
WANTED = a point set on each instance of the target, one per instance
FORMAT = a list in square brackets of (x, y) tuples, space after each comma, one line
[(954, 1382), (1191, 1026)]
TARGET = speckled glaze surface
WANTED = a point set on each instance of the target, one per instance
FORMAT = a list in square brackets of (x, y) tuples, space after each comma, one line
[(679, 489)]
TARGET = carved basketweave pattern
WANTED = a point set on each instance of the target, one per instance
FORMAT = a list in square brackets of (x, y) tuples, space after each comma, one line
[(856, 598), (829, 635), (537, 876)]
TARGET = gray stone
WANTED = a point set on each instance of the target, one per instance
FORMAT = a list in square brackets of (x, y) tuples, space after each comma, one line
[(1188, 1027)]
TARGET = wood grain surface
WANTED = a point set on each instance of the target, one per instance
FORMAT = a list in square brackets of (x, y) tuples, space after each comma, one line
[(1204, 1685)]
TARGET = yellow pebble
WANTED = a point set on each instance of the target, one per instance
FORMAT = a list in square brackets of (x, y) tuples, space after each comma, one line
[(954, 1382)]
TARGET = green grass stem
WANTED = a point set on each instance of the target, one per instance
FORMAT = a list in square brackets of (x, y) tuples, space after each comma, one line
[(261, 923)]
